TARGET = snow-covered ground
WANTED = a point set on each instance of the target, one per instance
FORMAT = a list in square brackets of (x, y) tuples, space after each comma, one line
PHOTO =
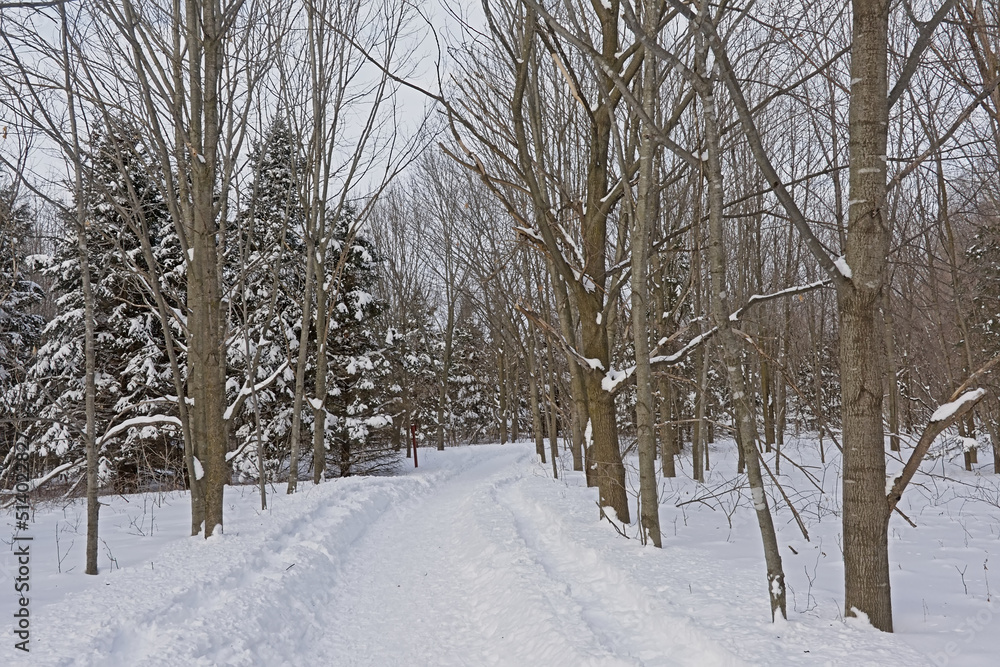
[(479, 557)]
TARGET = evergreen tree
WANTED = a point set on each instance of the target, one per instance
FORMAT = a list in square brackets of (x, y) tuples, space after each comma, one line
[(359, 400), (413, 351), (133, 372), (471, 398), (264, 274), (20, 326)]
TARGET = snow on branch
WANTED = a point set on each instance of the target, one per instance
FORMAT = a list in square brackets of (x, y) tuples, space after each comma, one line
[(578, 274), (530, 234), (246, 390), (943, 417), (572, 245), (38, 481), (948, 409), (136, 422), (615, 377), (843, 267), (760, 298)]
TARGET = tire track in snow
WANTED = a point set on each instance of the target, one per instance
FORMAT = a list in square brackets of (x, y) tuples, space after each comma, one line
[(629, 618), (450, 582), (238, 599)]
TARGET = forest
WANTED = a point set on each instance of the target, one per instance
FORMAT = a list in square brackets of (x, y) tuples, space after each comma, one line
[(273, 243)]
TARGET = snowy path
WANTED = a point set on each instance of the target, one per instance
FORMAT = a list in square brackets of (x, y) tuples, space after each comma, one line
[(477, 558), (450, 565), (464, 578)]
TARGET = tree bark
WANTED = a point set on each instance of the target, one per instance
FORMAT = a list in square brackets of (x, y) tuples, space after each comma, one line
[(577, 386), (319, 405), (668, 429), (767, 401), (553, 425), (449, 336), (536, 413), (862, 354), (207, 348), (589, 286), (502, 384), (645, 414), (892, 387), (731, 348), (697, 428), (75, 153), (300, 367)]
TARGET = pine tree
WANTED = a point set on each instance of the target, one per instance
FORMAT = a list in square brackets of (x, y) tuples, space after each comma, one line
[(359, 400), (263, 273), (472, 399), (133, 372), (20, 327)]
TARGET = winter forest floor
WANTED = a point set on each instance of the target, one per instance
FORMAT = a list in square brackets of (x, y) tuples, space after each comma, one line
[(479, 558)]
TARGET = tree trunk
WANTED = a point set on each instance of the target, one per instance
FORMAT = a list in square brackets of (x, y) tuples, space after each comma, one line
[(90, 397), (449, 336), (781, 390), (862, 336), (590, 283), (514, 400), (553, 418), (767, 403), (319, 398), (645, 414), (819, 409), (991, 426), (300, 367), (536, 408), (697, 430), (206, 320), (577, 385), (700, 298), (892, 387), (89, 342), (502, 384), (731, 348), (668, 429)]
